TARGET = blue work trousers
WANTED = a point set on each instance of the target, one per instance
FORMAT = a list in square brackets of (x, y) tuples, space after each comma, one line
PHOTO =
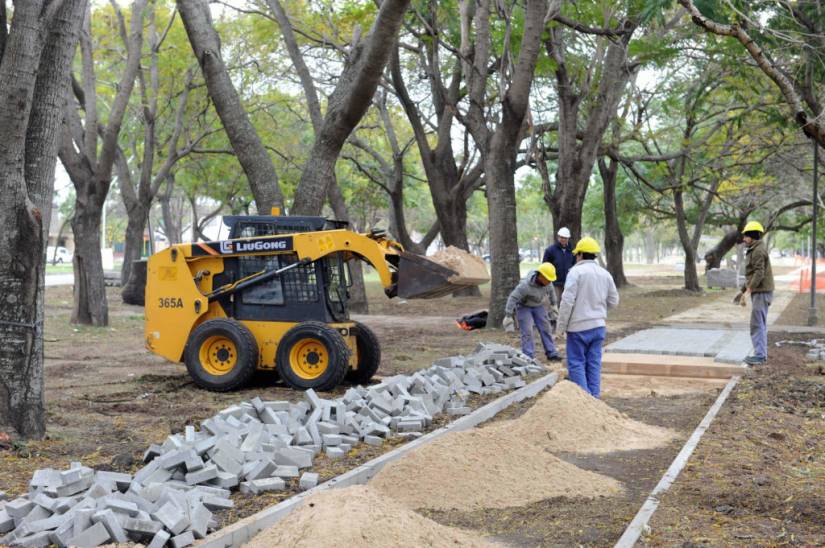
[(584, 359), (527, 316), (759, 323)]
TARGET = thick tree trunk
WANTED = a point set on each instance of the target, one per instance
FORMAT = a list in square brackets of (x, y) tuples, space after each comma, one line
[(90, 304), (34, 61), (578, 156), (133, 240), (347, 105), (135, 281), (501, 204), (453, 222), (613, 237), (250, 151)]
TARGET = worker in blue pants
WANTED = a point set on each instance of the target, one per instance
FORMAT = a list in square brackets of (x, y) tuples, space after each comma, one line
[(527, 303), (588, 293)]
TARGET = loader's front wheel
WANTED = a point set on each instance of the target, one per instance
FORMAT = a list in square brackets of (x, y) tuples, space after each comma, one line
[(369, 355), (221, 355), (312, 355)]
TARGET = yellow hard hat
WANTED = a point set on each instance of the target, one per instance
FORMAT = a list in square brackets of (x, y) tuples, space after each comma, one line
[(753, 226), (587, 245), (548, 271)]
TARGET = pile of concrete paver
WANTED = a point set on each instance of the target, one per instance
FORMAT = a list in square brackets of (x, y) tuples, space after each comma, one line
[(254, 446)]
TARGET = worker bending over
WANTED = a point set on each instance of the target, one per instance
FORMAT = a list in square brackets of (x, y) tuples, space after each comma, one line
[(759, 283), (527, 302), (588, 293)]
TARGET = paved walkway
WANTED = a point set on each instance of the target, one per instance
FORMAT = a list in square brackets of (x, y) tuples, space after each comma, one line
[(727, 313), (717, 330)]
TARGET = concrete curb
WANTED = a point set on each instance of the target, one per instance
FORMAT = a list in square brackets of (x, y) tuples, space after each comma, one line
[(242, 531), (639, 524)]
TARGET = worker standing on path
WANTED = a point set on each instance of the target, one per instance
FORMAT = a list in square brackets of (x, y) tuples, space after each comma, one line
[(560, 255), (527, 302), (759, 283), (588, 294)]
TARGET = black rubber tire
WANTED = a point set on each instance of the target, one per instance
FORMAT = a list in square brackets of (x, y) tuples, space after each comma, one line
[(369, 355), (336, 346), (245, 343)]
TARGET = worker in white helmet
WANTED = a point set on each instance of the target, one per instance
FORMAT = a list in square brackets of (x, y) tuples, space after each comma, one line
[(560, 255)]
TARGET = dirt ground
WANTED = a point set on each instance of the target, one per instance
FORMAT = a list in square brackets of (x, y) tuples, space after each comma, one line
[(758, 476), (108, 399), (797, 311)]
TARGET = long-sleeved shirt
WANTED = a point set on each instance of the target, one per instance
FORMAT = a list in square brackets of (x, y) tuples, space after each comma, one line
[(562, 258), (588, 294), (758, 272), (529, 293)]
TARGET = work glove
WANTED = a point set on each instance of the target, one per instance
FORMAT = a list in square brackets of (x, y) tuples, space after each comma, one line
[(508, 324), (740, 299)]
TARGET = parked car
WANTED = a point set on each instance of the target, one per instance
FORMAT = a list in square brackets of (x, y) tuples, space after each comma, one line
[(59, 255)]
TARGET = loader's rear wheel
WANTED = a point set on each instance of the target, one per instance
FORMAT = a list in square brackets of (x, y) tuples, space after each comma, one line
[(221, 355), (312, 355), (369, 355)]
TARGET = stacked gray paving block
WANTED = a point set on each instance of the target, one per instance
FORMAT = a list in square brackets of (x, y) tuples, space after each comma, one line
[(723, 345), (255, 446)]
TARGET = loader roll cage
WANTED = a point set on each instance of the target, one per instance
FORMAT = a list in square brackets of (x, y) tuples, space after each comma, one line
[(308, 247)]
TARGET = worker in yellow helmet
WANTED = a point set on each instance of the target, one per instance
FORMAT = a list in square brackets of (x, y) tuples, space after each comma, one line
[(588, 293), (759, 284), (527, 302)]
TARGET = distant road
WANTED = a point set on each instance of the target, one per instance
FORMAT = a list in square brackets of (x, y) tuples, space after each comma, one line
[(59, 279)]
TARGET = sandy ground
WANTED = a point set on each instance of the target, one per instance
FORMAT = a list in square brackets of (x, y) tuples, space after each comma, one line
[(634, 386), (108, 399)]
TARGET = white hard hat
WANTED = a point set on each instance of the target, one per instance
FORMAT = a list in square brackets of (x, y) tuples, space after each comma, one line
[(564, 232)]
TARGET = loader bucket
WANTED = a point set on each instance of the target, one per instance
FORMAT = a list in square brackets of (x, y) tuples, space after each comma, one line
[(448, 271)]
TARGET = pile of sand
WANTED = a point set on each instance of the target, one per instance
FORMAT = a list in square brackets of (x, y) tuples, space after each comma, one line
[(567, 419), (360, 516), (510, 463), (470, 268), (485, 469)]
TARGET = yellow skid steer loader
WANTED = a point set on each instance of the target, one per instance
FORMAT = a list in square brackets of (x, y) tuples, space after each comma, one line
[(273, 297)]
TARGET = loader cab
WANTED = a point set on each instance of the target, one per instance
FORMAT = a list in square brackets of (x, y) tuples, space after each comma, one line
[(318, 291)]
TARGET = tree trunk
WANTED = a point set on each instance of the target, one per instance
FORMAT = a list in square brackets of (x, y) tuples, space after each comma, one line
[(171, 222), (347, 105), (34, 60), (133, 241), (650, 246), (578, 156), (501, 204), (250, 151), (714, 256), (90, 304), (134, 283), (691, 276), (613, 237), (453, 222)]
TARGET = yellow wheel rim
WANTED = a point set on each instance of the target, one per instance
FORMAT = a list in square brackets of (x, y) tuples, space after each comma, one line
[(218, 355), (308, 358)]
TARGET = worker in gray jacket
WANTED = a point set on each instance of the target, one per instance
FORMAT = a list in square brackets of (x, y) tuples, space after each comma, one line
[(527, 302), (588, 293)]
